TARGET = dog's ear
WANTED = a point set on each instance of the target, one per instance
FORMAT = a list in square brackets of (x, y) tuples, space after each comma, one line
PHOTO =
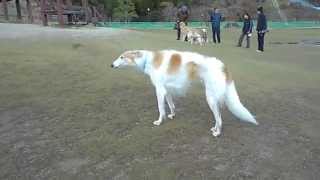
[(137, 54), (132, 55), (125, 51)]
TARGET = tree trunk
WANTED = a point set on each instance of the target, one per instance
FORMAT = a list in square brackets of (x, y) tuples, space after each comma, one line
[(18, 7), (44, 16), (5, 9), (85, 7), (60, 11), (29, 10), (69, 2)]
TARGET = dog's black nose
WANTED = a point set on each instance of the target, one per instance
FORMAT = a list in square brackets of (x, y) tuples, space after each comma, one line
[(112, 65)]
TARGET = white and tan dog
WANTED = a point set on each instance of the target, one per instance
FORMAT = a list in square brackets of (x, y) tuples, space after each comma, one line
[(195, 38), (173, 70), (194, 35)]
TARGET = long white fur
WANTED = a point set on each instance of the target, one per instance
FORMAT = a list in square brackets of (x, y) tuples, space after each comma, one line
[(195, 38), (210, 70), (194, 35)]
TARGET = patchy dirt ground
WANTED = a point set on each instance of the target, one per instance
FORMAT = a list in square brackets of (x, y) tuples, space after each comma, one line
[(64, 114), (31, 31)]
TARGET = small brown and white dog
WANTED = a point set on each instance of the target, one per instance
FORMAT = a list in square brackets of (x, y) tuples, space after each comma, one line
[(173, 71), (194, 35)]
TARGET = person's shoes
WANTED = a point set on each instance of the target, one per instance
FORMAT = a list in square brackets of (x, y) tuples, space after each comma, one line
[(259, 51)]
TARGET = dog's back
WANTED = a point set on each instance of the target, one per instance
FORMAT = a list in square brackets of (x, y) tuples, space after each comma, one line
[(178, 69)]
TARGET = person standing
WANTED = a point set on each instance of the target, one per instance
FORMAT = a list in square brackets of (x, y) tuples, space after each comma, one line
[(215, 19), (261, 29), (182, 16), (246, 30)]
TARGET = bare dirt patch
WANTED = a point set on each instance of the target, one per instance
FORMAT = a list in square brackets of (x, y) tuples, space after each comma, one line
[(30, 31)]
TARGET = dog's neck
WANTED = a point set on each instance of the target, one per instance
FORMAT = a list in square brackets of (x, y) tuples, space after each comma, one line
[(142, 62)]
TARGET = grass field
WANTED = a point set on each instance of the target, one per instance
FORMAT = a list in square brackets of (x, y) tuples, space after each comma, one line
[(65, 114)]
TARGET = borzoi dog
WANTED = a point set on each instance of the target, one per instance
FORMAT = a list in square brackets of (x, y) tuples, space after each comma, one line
[(173, 70)]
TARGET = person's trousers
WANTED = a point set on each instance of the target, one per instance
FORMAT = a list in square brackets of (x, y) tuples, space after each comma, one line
[(241, 39), (216, 34), (261, 41)]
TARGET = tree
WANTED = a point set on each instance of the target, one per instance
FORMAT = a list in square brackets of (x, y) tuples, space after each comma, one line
[(178, 2), (125, 10), (143, 5), (109, 6)]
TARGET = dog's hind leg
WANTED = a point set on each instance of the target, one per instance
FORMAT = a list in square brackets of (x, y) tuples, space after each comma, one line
[(161, 93), (183, 36), (214, 106), (171, 106)]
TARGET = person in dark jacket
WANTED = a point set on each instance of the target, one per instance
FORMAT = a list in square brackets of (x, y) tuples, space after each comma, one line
[(215, 19), (246, 30), (261, 29), (182, 16)]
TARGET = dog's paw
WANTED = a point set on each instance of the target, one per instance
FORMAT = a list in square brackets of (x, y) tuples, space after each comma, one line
[(171, 116), (157, 123), (215, 132)]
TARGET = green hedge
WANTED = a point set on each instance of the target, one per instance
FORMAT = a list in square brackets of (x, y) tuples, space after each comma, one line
[(170, 25)]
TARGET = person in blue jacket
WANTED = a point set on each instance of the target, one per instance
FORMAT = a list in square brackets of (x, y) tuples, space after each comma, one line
[(246, 30), (215, 19), (261, 29)]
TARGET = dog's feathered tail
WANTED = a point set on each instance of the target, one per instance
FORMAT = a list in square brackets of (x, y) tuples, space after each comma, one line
[(234, 105)]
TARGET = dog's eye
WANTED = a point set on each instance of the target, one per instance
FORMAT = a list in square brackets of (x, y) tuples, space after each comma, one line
[(121, 57)]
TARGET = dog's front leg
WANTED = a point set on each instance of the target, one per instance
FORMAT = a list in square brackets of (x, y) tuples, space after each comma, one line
[(161, 93)]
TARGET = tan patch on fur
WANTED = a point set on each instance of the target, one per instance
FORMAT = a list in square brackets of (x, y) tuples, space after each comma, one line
[(174, 64), (157, 59), (227, 74), (192, 69)]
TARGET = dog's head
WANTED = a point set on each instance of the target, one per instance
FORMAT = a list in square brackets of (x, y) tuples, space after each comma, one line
[(182, 24), (128, 58)]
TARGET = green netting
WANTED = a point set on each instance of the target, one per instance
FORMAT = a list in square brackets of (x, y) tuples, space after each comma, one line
[(170, 25), (294, 25)]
